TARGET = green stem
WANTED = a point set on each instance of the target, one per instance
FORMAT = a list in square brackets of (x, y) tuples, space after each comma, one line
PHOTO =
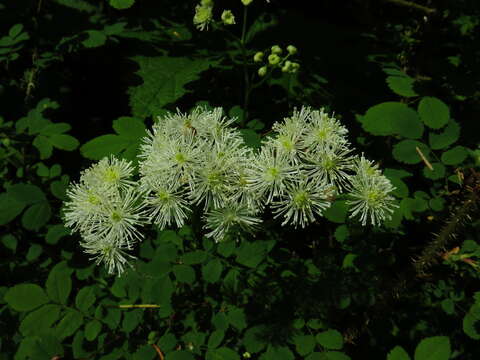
[(245, 70)]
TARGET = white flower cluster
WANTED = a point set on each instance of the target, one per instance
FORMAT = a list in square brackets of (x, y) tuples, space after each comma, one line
[(199, 159)]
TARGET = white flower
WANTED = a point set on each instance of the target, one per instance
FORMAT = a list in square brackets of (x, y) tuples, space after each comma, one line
[(302, 201), (222, 220), (330, 164), (324, 130), (290, 133), (109, 173), (270, 172), (370, 193), (167, 205), (110, 254)]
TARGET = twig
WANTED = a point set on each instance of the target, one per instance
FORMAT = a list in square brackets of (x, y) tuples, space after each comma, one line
[(412, 5)]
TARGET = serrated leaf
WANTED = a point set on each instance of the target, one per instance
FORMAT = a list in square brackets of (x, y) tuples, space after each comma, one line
[(398, 353), (337, 212), (254, 339), (121, 4), (64, 142), (36, 322), (277, 353), (401, 85), (433, 112), (103, 145), (454, 156), (164, 80), (194, 257), (405, 151), (222, 353), (25, 297), (36, 216), (236, 317), (433, 348), (59, 283), (330, 339), (446, 138)]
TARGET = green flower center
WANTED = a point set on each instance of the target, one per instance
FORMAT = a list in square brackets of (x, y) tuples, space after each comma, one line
[(163, 196), (93, 199), (272, 174), (301, 199), (111, 175), (180, 158), (116, 216), (286, 143)]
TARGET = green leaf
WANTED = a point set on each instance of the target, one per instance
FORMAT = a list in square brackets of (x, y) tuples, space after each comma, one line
[(433, 112), (26, 193), (57, 128), (103, 145), (220, 321), (164, 80), (180, 355), (92, 329), (9, 208), (337, 212), (251, 138), (260, 24), (446, 138), (401, 85), (236, 317), (454, 156), (251, 254), (95, 39), (184, 273), (433, 348), (59, 283), (222, 353), (55, 233), (212, 270), (131, 319), (10, 242), (438, 171), (85, 298), (277, 353), (253, 339), (25, 297), (194, 257), (129, 127), (121, 4), (15, 30), (392, 118), (36, 216), (304, 344), (405, 151), (215, 339), (69, 324), (44, 146), (330, 339), (398, 353), (471, 322), (36, 322), (64, 142)]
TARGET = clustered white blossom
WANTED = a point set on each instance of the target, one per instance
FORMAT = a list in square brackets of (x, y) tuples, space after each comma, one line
[(199, 159)]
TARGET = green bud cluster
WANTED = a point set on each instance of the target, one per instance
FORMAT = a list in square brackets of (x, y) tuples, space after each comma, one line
[(276, 59)]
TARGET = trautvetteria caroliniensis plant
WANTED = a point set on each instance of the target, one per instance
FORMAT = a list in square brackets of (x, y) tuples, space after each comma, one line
[(200, 159)]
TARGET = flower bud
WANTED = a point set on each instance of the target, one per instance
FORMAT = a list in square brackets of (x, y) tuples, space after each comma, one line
[(258, 56), (206, 2), (262, 71), (246, 2), (276, 49), (228, 18), (273, 59), (287, 66), (291, 49)]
